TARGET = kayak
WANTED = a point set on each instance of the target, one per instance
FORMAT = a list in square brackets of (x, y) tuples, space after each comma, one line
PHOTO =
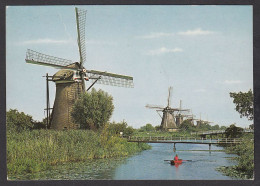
[(179, 161)]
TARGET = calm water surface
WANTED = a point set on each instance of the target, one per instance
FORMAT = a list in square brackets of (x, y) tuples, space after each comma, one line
[(148, 165)]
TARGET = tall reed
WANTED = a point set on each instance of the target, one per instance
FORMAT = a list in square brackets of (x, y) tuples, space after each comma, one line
[(33, 151)]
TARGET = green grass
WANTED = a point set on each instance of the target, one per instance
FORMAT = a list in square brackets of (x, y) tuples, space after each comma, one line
[(37, 150)]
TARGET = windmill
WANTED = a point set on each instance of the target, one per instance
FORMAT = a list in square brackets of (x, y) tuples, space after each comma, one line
[(70, 79), (180, 116), (202, 122), (168, 120), (192, 118)]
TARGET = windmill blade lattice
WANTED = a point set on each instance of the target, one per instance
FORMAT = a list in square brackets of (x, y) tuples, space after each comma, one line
[(155, 107), (38, 58), (169, 96), (81, 21), (106, 78)]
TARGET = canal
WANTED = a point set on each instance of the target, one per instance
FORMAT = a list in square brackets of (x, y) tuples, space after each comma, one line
[(147, 165)]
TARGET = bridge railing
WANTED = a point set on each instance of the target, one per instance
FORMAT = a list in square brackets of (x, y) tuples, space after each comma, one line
[(216, 132), (180, 139)]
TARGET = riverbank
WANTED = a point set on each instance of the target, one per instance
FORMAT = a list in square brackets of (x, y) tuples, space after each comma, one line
[(38, 150), (245, 160)]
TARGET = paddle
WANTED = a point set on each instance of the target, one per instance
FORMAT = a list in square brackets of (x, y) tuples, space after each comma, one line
[(182, 160)]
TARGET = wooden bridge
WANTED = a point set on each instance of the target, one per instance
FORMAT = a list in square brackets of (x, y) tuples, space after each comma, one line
[(215, 132), (174, 140)]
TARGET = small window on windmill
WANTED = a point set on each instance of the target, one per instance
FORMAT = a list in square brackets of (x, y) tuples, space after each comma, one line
[(76, 76)]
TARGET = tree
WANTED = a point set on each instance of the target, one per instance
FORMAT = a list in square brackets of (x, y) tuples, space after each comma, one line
[(18, 121), (116, 128), (186, 125), (233, 131), (244, 103), (93, 109), (157, 127), (251, 126), (223, 128), (148, 127), (129, 131), (204, 126), (215, 127)]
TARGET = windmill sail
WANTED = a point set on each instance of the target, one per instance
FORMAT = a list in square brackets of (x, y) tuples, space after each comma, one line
[(38, 58), (111, 79), (154, 106), (169, 96), (81, 21)]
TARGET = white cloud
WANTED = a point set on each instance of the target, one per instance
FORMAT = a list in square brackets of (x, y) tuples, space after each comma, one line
[(200, 90), (163, 50), (156, 35), (195, 32), (232, 82), (45, 41)]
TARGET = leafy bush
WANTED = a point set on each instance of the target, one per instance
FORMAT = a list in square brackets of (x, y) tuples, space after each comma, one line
[(93, 109), (115, 128), (245, 159), (148, 128), (233, 131), (18, 121)]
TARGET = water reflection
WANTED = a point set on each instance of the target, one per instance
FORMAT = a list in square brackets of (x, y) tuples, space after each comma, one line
[(150, 164)]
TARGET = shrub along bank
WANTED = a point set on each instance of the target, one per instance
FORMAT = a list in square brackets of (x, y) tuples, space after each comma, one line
[(36, 150), (245, 151)]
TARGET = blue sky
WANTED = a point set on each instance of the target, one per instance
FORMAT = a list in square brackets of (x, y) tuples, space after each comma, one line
[(203, 52)]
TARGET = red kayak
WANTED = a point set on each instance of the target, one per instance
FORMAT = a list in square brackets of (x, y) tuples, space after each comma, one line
[(174, 162)]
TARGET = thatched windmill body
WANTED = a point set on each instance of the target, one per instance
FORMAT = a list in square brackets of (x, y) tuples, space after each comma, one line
[(70, 80), (168, 119)]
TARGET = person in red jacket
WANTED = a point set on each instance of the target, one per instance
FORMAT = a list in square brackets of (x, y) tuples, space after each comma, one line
[(176, 158)]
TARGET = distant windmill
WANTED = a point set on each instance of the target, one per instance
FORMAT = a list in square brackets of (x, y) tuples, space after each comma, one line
[(202, 122), (168, 120), (70, 80), (180, 115), (191, 118)]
